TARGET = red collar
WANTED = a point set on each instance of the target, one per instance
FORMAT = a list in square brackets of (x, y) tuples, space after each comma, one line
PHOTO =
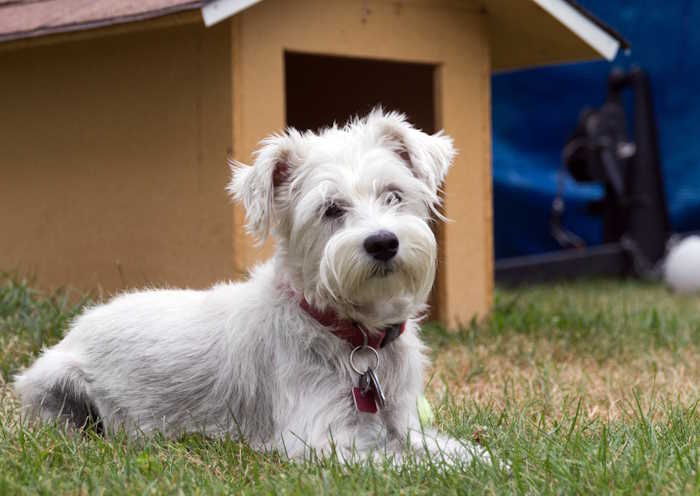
[(350, 331)]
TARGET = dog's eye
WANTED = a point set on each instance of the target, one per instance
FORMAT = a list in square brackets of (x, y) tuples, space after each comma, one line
[(393, 198), (333, 211)]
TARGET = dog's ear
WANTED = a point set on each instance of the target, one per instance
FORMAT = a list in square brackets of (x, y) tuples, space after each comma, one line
[(428, 156), (263, 187)]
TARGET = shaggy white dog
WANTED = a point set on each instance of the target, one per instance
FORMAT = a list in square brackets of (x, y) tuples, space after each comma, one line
[(319, 349)]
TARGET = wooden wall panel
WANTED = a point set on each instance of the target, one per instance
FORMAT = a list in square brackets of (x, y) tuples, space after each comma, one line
[(113, 159)]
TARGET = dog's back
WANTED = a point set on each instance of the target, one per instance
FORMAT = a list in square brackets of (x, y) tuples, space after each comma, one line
[(125, 360)]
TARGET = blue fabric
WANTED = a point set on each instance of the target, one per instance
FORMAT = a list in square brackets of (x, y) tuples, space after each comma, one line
[(535, 110)]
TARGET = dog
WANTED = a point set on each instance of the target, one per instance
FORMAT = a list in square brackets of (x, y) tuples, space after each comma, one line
[(318, 352)]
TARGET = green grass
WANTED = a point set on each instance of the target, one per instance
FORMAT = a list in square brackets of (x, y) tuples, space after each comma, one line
[(651, 446), (30, 319), (602, 319)]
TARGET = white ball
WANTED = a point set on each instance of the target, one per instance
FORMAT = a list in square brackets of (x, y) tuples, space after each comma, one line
[(682, 266)]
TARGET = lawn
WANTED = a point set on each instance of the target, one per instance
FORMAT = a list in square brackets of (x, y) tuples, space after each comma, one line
[(584, 388)]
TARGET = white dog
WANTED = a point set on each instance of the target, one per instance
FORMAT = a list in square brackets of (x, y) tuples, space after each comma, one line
[(283, 359)]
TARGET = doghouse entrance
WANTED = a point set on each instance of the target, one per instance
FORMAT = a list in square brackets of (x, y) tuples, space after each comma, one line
[(321, 90)]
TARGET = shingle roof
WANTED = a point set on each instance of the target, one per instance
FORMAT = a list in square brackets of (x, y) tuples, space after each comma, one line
[(29, 18)]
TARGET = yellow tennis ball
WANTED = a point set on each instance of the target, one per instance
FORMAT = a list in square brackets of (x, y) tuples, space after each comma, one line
[(425, 411)]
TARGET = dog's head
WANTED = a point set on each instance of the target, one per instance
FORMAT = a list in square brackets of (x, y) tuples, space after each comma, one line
[(350, 208)]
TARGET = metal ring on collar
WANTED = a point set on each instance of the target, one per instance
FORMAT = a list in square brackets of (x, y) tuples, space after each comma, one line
[(352, 358)]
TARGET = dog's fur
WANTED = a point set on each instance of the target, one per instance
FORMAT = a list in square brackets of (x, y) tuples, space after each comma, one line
[(244, 358)]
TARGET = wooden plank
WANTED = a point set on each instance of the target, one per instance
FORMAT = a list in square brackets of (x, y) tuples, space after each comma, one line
[(130, 27), (524, 35)]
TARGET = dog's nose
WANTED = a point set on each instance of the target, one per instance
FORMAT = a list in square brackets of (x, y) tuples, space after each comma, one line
[(382, 245)]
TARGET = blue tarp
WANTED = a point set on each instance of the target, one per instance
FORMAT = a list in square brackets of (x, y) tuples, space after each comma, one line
[(534, 111)]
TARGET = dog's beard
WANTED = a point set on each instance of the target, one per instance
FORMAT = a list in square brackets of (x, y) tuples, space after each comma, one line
[(351, 280)]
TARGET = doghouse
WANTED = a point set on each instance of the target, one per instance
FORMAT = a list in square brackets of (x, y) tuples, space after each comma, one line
[(117, 118)]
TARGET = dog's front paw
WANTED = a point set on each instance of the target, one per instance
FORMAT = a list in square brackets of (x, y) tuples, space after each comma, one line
[(446, 449)]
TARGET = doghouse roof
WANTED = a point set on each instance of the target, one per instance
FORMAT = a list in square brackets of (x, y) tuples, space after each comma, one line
[(523, 32)]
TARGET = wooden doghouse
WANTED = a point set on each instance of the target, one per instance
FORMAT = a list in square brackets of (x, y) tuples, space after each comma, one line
[(117, 117)]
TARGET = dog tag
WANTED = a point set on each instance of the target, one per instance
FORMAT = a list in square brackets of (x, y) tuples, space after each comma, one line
[(364, 402), (376, 387), (365, 384)]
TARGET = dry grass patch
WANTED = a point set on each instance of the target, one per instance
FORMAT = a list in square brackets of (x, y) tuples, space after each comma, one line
[(612, 345), (9, 406), (550, 379)]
